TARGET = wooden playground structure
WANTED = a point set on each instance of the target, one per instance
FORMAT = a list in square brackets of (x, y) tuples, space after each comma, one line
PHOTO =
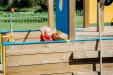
[(91, 54)]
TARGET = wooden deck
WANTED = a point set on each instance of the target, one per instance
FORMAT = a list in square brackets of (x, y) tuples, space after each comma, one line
[(79, 58)]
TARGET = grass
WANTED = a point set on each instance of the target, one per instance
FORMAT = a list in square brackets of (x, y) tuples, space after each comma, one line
[(30, 23), (21, 26)]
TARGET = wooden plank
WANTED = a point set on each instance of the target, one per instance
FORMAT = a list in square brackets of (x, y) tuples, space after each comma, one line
[(59, 47), (72, 11), (91, 54), (32, 73), (51, 13), (57, 68), (61, 74), (86, 13), (26, 35), (85, 54), (78, 73), (94, 73), (42, 48), (37, 59), (86, 73), (50, 68), (106, 67)]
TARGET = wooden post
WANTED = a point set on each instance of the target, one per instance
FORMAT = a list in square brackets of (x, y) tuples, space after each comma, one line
[(0, 38), (86, 5), (4, 60), (72, 11), (3, 52), (51, 13), (101, 16)]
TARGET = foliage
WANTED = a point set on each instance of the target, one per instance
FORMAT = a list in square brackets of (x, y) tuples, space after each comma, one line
[(23, 3), (36, 5)]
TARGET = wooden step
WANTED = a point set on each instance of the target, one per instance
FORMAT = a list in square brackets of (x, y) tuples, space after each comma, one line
[(94, 73), (91, 54)]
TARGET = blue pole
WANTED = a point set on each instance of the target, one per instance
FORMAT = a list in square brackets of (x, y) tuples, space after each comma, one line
[(50, 42)]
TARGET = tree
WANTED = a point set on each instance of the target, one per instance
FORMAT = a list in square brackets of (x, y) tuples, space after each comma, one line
[(43, 4), (27, 3)]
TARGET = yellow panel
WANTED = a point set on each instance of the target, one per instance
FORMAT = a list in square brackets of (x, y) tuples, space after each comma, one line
[(93, 11), (108, 13)]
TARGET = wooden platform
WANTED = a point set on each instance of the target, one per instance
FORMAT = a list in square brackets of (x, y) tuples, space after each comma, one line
[(58, 58), (79, 58)]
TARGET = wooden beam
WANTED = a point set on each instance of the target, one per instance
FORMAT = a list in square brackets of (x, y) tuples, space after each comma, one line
[(19, 60), (57, 68), (50, 68), (4, 60), (51, 13), (72, 11), (91, 54), (94, 73), (86, 5), (57, 48), (50, 58)]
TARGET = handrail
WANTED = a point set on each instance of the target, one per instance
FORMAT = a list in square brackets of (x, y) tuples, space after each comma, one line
[(50, 42), (2, 32)]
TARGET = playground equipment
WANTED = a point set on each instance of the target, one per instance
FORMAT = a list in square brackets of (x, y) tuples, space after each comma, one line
[(65, 16), (108, 2), (62, 57)]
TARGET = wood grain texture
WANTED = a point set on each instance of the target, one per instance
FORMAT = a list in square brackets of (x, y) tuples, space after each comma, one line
[(51, 13), (86, 13), (78, 69), (91, 54), (72, 11)]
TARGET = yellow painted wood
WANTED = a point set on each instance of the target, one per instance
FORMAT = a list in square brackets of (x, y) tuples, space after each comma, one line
[(92, 16), (4, 60), (86, 5)]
